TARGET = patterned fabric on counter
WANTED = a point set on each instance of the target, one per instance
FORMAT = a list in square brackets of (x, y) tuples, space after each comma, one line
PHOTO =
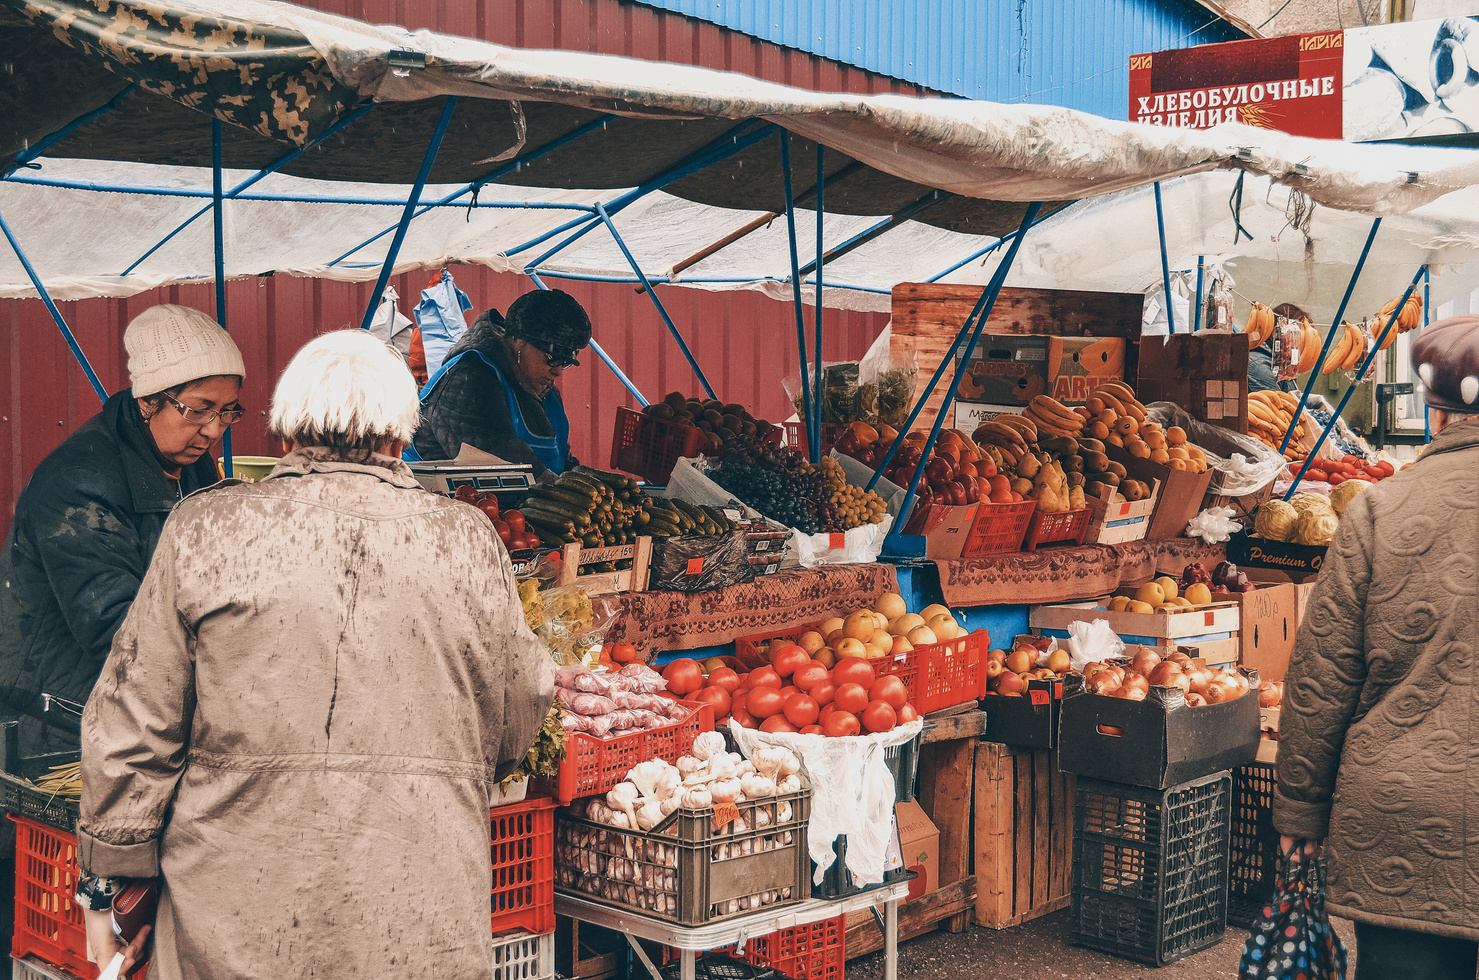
[(1068, 574), (770, 604)]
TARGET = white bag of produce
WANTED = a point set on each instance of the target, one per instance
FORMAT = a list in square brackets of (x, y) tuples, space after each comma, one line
[(861, 545), (852, 793)]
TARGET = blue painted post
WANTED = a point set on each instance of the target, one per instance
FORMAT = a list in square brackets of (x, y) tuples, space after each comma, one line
[(56, 314), (652, 294), (400, 232), (813, 448), (1160, 221), (1360, 373), (601, 353), (1427, 311), (219, 233), (1197, 322), (815, 422), (1330, 337), (42, 145)]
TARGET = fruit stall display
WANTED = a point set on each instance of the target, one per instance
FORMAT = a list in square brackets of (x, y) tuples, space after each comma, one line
[(783, 486), (513, 530), (1134, 678), (720, 423)]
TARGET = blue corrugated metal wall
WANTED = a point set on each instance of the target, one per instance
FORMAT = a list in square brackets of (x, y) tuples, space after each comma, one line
[(1072, 53)]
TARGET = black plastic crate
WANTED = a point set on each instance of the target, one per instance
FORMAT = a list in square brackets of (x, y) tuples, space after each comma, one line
[(716, 967), (1254, 852), (903, 763), (1150, 867)]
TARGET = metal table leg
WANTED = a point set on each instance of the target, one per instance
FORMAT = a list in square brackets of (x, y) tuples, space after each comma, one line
[(647, 961), (891, 940), (687, 964)]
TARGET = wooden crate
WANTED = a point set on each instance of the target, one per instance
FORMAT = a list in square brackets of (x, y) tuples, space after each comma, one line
[(1024, 835), (633, 579)]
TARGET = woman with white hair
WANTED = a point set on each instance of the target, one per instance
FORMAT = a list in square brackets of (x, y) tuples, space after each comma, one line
[(304, 714)]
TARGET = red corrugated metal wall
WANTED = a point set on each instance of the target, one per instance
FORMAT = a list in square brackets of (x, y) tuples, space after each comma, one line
[(744, 341)]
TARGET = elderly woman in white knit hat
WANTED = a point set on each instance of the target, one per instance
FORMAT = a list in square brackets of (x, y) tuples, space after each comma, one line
[(304, 717), (87, 523)]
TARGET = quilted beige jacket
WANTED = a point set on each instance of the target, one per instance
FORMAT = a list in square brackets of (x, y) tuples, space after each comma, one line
[(300, 722), (1378, 754)]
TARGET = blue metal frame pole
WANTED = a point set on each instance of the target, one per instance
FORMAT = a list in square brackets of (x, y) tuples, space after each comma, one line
[(1360, 373), (31, 153), (502, 171), (409, 212), (721, 149), (56, 314), (652, 294), (1427, 317), (219, 235), (1350, 288), (816, 393), (1196, 324), (601, 353), (992, 291), (812, 443), (1160, 221), (271, 168)]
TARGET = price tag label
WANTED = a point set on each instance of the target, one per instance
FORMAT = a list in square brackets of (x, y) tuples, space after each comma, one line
[(1210, 616), (762, 546), (731, 513), (836, 540), (695, 565), (1039, 696), (725, 814), (1058, 690)]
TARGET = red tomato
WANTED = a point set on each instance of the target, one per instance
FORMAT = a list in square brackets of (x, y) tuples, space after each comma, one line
[(737, 701), (800, 710), (742, 716), (851, 697), (841, 723), (1387, 468), (812, 730), (786, 659), (907, 714), (515, 520), (490, 507), (765, 677), (809, 675), (879, 716), (724, 677), (624, 653), (777, 723), (823, 691), (1375, 472), (504, 534), (1348, 460), (1335, 479), (853, 670), (789, 690), (684, 676), (827, 709), (763, 702), (1316, 476), (890, 689), (716, 696)]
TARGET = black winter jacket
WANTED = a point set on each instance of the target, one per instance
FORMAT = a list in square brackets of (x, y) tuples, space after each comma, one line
[(85, 528), (468, 404)]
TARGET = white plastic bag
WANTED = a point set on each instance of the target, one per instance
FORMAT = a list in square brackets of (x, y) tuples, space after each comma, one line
[(390, 324), (852, 793), (1093, 642), (861, 545), (1213, 525), (691, 485)]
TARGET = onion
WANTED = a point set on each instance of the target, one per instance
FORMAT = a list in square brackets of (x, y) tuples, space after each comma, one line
[(1270, 694), (1221, 689), (1130, 693), (1145, 661), (1167, 674)]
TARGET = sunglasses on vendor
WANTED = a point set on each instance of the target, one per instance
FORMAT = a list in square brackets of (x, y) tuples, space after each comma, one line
[(560, 361), (203, 416)]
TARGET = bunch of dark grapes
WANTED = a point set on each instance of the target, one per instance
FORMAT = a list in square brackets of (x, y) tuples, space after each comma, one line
[(776, 482)]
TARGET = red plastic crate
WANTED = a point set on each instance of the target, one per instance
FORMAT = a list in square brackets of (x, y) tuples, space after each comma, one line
[(1068, 527), (941, 674), (523, 852), (649, 447), (48, 923), (796, 436), (594, 765), (998, 528), (811, 952)]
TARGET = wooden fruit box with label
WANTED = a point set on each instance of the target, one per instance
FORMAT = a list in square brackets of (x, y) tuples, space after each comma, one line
[(1117, 523), (1212, 628), (575, 568)]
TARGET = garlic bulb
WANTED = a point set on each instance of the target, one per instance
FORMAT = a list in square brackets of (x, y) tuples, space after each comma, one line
[(646, 775), (696, 798), (789, 784), (756, 786), (768, 759), (725, 790), (649, 815), (669, 803), (667, 784), (790, 764), (723, 767), (707, 745), (688, 765), (622, 797)]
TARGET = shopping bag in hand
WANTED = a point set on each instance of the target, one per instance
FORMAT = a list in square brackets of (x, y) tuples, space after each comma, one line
[(1293, 937)]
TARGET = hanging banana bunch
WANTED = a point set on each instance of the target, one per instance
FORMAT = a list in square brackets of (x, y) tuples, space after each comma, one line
[(1260, 326), (1411, 316)]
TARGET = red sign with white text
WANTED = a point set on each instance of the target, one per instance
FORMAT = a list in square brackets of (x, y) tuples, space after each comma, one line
[(1292, 84)]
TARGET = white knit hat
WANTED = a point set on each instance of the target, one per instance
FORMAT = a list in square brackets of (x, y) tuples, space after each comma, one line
[(174, 345)]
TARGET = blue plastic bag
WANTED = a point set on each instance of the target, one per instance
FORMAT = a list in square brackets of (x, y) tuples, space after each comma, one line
[(1293, 937), (439, 315)]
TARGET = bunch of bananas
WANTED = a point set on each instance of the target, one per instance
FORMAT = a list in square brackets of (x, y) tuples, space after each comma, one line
[(1348, 350), (1006, 439), (1269, 416), (1054, 418), (1260, 325), (1410, 318)]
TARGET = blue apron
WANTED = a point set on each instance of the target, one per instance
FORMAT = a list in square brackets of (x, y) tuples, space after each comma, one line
[(551, 452)]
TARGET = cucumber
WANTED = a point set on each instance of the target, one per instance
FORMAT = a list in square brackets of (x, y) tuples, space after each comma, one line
[(552, 514), (573, 498)]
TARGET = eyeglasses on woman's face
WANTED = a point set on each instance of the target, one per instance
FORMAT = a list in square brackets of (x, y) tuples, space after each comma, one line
[(204, 416)]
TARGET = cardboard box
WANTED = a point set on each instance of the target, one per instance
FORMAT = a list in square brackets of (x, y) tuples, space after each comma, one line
[(1275, 560), (943, 528), (1270, 621), (1180, 497), (1009, 369), (920, 841), (1147, 629), (1157, 742), (1206, 374), (1117, 523)]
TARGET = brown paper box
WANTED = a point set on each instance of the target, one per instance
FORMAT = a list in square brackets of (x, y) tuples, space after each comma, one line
[(1206, 374)]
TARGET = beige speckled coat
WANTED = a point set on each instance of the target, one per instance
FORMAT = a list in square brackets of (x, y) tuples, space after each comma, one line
[(299, 724), (1378, 751)]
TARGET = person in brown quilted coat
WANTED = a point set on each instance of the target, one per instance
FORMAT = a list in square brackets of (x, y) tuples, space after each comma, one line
[(1377, 759)]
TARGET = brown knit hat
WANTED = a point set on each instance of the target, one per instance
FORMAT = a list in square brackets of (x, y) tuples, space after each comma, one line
[(174, 345)]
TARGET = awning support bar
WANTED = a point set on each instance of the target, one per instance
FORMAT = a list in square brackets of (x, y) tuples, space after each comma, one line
[(1330, 337), (1360, 373), (56, 314), (219, 236), (42, 145), (652, 294), (1427, 318), (1196, 324), (887, 224), (1160, 221), (816, 332), (271, 168), (983, 311), (400, 232), (601, 353), (806, 394)]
